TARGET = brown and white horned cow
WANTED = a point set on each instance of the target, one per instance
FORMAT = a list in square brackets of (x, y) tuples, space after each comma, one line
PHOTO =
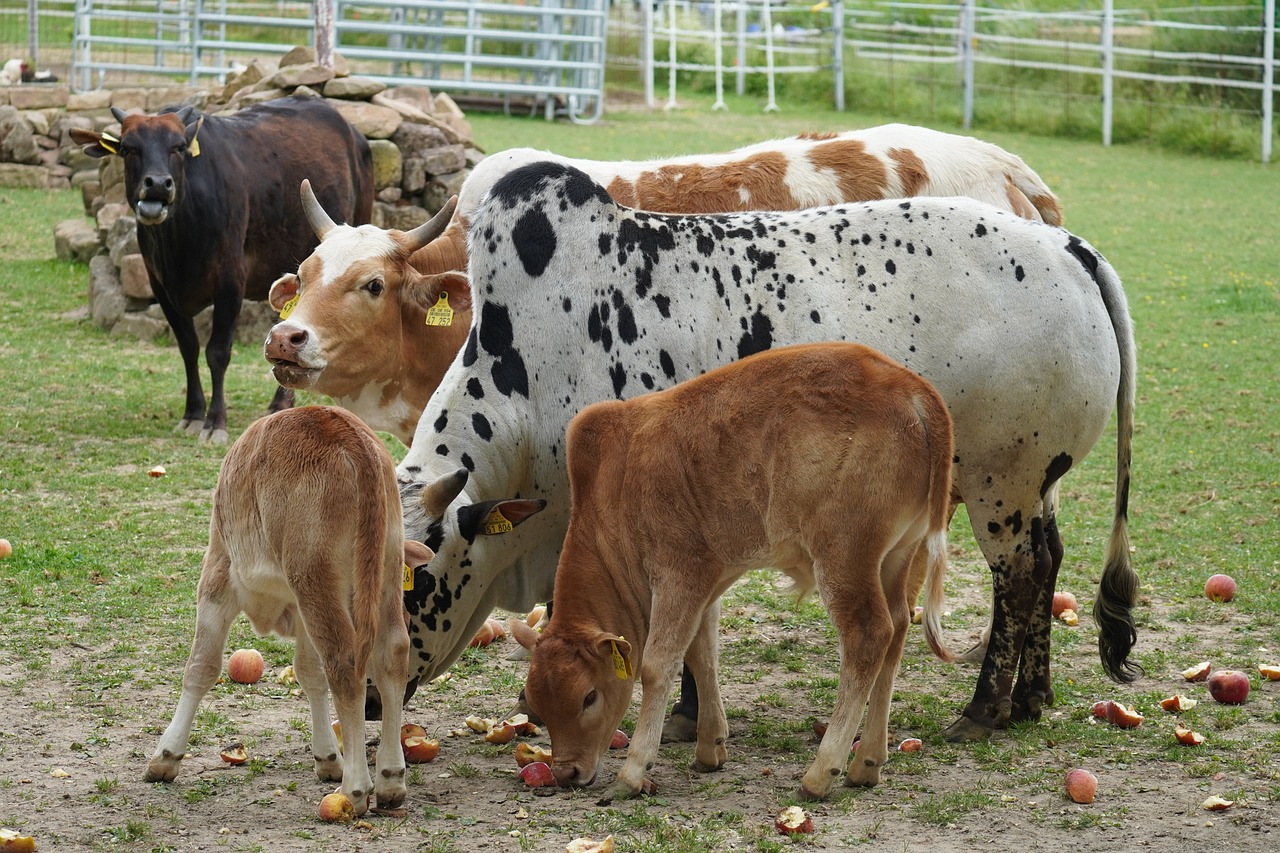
[(306, 539), (359, 333), (829, 462)]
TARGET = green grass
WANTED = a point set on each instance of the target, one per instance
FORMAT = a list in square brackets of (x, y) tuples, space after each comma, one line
[(106, 558)]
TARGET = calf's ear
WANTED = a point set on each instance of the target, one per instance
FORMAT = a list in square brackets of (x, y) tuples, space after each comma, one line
[(617, 652), (524, 635), (493, 518)]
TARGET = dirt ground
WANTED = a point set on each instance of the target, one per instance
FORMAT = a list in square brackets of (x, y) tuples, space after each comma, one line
[(71, 776)]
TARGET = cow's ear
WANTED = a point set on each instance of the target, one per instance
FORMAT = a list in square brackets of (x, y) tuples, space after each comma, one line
[(282, 290), (439, 293), (493, 518), (95, 144), (617, 652), (524, 635)]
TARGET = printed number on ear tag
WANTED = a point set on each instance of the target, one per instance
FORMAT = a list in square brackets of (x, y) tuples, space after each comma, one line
[(440, 314), (621, 663), (289, 306), (408, 578), (497, 523)]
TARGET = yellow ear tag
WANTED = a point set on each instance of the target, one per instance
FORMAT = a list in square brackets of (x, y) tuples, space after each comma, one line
[(440, 314), (408, 578), (110, 143), (621, 663), (194, 148), (289, 306), (497, 523)]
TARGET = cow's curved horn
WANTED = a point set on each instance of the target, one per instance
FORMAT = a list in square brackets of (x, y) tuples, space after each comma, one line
[(118, 113), (184, 114), (434, 227), (318, 219)]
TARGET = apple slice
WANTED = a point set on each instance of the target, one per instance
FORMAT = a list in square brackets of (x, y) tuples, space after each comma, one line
[(1184, 735), (1269, 671), (1199, 672), (587, 845), (793, 820), (1217, 804), (234, 754), (1177, 703), (1122, 716)]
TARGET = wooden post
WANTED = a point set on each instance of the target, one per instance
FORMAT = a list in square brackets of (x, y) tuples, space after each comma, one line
[(324, 34)]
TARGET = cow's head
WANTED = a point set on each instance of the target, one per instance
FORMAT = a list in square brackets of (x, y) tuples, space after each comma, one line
[(580, 684), (155, 150), (346, 314)]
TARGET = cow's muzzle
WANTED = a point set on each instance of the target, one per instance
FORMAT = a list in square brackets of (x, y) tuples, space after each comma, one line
[(155, 194)]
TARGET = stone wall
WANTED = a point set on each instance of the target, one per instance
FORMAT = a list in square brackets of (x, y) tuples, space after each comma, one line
[(421, 144)]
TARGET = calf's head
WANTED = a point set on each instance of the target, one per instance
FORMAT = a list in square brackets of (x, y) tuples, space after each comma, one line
[(155, 150), (580, 684)]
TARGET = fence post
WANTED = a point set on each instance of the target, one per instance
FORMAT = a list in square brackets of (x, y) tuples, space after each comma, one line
[(1268, 75), (646, 51), (967, 27), (837, 54), (324, 33), (1108, 66)]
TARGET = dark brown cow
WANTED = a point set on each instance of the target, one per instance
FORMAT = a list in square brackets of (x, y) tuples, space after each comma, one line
[(219, 217)]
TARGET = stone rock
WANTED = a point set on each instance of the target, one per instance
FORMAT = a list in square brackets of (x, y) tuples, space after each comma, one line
[(304, 74), (172, 96), (129, 99), (39, 121), (386, 163), (305, 92), (443, 161), (253, 73), (389, 195), (405, 108), (75, 240), (400, 216), (415, 140), (440, 187), (38, 97), (134, 280), (142, 326), (106, 217), (19, 145), (98, 99), (353, 88), (373, 121), (450, 113), (24, 176), (106, 297), (252, 96), (302, 54), (414, 177), (90, 186), (122, 239), (419, 96)]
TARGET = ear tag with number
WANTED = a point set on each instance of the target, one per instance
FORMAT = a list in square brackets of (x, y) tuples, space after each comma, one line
[(408, 578), (621, 663), (289, 306), (110, 143), (497, 523), (440, 314)]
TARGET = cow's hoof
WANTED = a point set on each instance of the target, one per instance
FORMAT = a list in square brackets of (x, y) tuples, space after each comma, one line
[(975, 655), (619, 791), (966, 730), (217, 437), (679, 729), (1028, 710), (190, 425), (161, 770), (862, 775)]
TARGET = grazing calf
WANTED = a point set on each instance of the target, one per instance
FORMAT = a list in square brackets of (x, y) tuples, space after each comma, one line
[(374, 354), (306, 540), (218, 218), (828, 462)]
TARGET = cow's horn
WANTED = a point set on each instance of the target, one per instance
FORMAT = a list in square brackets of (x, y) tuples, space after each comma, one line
[(433, 228), (118, 113), (319, 220)]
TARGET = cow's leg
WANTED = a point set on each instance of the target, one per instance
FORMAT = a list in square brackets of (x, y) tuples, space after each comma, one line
[(309, 670), (216, 608), (860, 614), (184, 332), (873, 748), (702, 659), (217, 353), (682, 725), (1033, 690), (346, 683), (1019, 571), (389, 667), (282, 400)]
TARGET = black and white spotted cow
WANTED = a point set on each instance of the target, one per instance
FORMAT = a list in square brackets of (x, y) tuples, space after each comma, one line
[(1022, 327)]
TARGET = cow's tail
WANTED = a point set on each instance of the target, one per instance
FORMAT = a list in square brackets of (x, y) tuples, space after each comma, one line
[(1118, 590), (941, 452), (374, 567)]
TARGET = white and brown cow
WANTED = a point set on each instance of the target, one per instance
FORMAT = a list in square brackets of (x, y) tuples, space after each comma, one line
[(828, 462), (359, 334), (306, 539), (1022, 327)]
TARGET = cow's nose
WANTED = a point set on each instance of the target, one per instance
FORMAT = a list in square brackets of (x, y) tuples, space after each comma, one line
[(164, 182), (285, 343)]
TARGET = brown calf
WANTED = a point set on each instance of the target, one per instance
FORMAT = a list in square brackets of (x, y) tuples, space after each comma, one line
[(828, 462), (306, 539)]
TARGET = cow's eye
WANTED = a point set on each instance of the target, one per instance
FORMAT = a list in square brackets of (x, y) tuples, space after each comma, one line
[(589, 700), (375, 287)]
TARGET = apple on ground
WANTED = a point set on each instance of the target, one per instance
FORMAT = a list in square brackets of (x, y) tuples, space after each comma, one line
[(234, 754), (1064, 601), (1220, 588), (1229, 686), (1217, 804), (620, 740), (245, 666), (587, 845), (12, 842), (1198, 672), (537, 774), (483, 637), (1269, 671), (1081, 785), (337, 808), (1069, 618), (917, 615), (911, 744), (420, 750), (527, 753), (1117, 714), (6, 548), (1177, 703), (501, 733), (499, 630), (535, 616), (793, 820), (1184, 735), (409, 730)]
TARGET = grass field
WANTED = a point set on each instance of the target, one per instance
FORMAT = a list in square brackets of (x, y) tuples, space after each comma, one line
[(97, 600)]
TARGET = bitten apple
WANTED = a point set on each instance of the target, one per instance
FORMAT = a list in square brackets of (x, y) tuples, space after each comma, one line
[(1199, 672), (12, 842), (911, 744), (1229, 686), (793, 820), (245, 666), (587, 845), (420, 750), (1184, 735), (1177, 703), (1081, 785), (528, 753), (1064, 601), (1220, 588), (409, 730), (234, 754)]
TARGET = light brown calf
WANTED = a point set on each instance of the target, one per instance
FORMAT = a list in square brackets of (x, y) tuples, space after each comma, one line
[(828, 462), (306, 539)]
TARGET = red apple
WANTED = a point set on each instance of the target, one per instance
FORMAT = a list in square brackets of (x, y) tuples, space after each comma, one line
[(527, 753), (234, 754), (537, 774), (483, 637), (1229, 686), (409, 730), (337, 808), (911, 744), (501, 733), (1081, 785), (793, 820), (245, 666), (6, 548), (1064, 601), (1099, 709), (619, 740), (1220, 588), (420, 750), (499, 630)]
